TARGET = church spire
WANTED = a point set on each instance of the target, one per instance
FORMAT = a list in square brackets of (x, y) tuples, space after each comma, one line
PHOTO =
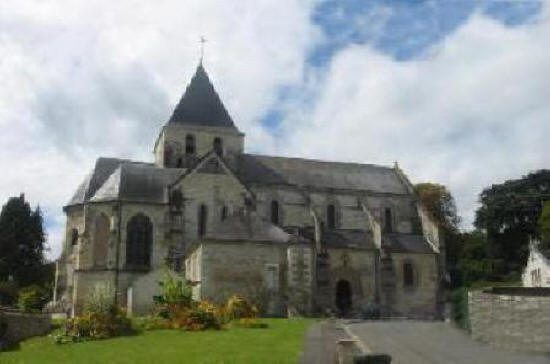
[(200, 104)]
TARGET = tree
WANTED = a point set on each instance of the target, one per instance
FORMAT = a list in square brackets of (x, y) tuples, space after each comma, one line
[(21, 242), (544, 226), (440, 203), (509, 214)]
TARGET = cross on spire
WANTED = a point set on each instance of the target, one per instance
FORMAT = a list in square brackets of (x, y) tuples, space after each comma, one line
[(202, 40)]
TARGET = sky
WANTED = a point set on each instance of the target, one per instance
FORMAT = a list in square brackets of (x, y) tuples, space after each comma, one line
[(456, 91)]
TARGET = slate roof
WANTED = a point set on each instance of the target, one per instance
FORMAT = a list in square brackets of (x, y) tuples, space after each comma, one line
[(200, 104), (336, 238), (259, 169), (249, 227), (406, 243), (114, 179)]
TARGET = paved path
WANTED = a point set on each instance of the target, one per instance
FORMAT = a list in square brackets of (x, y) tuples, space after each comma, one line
[(425, 342), (320, 342)]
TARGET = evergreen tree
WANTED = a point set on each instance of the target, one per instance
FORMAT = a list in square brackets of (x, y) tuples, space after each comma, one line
[(21, 242)]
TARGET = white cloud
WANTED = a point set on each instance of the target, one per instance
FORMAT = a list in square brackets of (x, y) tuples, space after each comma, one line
[(83, 79), (472, 111)]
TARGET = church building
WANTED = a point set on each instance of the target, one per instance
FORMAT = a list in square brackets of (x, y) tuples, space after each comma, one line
[(293, 235)]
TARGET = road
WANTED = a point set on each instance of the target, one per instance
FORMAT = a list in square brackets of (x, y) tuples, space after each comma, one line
[(425, 342)]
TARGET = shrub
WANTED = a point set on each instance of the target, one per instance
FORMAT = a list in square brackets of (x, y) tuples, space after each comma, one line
[(32, 298), (8, 293), (460, 308), (176, 293), (238, 307), (101, 319), (101, 300), (99, 325)]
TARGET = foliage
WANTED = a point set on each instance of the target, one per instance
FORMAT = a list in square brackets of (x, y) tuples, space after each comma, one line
[(101, 300), (32, 298), (474, 263), (249, 323), (440, 203), (176, 293), (8, 293), (239, 307), (99, 325), (21, 242), (460, 303), (202, 316), (509, 213), (544, 226), (437, 199), (3, 326), (101, 319)]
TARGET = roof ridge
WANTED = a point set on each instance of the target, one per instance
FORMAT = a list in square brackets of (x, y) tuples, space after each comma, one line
[(320, 161)]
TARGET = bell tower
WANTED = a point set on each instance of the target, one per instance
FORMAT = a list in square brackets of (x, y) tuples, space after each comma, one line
[(199, 124)]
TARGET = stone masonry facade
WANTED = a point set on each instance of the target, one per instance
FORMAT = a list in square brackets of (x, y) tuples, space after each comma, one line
[(294, 235)]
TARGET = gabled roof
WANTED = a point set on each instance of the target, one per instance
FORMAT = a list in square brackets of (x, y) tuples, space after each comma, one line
[(200, 104), (406, 243), (266, 170)]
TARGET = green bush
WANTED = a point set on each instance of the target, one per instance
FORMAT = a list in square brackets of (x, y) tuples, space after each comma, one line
[(32, 298), (175, 294), (8, 293), (102, 318), (460, 304), (238, 307)]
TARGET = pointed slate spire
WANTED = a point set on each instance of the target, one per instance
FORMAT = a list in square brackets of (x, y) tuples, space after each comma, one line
[(200, 104)]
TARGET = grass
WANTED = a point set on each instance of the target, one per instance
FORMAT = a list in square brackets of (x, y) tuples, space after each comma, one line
[(281, 342)]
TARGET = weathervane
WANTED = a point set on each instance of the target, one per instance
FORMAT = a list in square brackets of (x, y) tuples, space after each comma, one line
[(202, 40)]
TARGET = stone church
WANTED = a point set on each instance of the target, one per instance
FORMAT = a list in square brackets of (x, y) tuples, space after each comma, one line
[(291, 234)]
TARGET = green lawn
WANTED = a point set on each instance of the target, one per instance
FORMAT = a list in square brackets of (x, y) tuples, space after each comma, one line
[(281, 342)]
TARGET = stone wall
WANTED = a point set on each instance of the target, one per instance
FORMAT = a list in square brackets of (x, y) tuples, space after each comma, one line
[(244, 268), (23, 325), (516, 319), (420, 299)]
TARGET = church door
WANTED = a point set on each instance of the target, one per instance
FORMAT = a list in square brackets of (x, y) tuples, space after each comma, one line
[(343, 297)]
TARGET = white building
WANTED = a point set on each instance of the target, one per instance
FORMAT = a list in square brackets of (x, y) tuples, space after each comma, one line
[(537, 271)]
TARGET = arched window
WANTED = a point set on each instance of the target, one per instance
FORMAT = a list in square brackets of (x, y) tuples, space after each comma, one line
[(190, 144), (331, 216), (275, 212), (223, 214), (139, 240), (408, 275), (74, 237), (218, 145), (203, 220), (388, 226), (101, 240)]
